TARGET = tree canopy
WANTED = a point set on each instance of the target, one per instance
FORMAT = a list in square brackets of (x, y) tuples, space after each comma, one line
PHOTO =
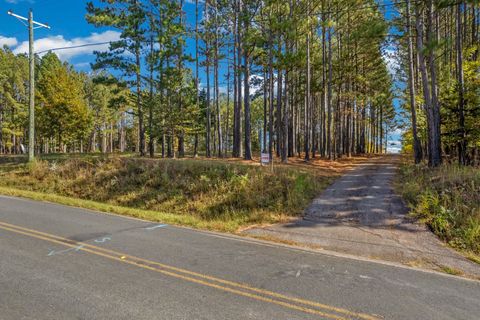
[(302, 78)]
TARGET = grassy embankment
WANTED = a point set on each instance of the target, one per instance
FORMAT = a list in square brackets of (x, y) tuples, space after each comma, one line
[(216, 195), (447, 199)]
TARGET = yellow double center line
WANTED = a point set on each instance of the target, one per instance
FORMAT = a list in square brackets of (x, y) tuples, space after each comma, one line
[(241, 289)]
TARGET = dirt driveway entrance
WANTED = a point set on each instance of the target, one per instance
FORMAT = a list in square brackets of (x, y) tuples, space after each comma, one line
[(361, 215)]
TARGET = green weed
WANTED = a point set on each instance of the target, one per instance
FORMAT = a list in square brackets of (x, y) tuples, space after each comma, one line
[(451, 271), (447, 199)]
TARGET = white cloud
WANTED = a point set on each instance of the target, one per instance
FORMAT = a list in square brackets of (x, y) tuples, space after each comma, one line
[(394, 146), (18, 1), (10, 42), (82, 64), (390, 58), (398, 132), (44, 44)]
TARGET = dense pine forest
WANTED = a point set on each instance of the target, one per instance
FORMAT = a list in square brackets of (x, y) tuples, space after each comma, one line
[(297, 78)]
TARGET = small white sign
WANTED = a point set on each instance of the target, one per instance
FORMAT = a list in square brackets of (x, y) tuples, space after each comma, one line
[(265, 158)]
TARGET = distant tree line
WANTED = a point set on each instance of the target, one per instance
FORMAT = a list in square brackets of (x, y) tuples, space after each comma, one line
[(297, 78)]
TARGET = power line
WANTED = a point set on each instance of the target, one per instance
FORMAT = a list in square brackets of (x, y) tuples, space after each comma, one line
[(74, 47)]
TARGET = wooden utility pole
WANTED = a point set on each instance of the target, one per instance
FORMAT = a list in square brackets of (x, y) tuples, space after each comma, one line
[(31, 58), (31, 107)]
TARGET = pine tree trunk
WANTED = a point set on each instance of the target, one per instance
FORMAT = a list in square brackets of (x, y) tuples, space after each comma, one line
[(197, 93), (2, 150), (111, 137), (263, 142), (104, 138), (329, 95), (209, 120), (307, 104), (462, 142), (151, 150), (141, 130), (122, 133), (246, 97), (324, 84), (425, 81), (217, 90), (285, 144), (278, 123), (270, 96), (227, 120), (417, 148), (436, 146), (237, 117)]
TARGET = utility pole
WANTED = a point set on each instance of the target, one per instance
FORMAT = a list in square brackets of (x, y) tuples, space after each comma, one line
[(31, 57)]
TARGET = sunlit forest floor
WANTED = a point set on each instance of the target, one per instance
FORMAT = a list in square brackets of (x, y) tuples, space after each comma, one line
[(216, 194)]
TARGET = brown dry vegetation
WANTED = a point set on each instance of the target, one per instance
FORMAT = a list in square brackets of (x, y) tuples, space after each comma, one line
[(214, 194)]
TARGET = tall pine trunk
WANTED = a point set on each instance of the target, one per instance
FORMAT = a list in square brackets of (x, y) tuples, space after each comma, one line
[(246, 103), (217, 90), (462, 142), (417, 148), (436, 145)]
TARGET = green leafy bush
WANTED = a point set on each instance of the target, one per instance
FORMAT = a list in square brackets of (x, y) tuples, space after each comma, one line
[(447, 199)]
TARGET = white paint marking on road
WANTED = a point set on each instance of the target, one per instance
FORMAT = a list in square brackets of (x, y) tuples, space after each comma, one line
[(156, 227), (298, 274), (53, 252), (365, 277), (103, 240)]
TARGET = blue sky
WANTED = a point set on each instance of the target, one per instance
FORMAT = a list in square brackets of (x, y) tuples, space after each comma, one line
[(68, 27), (67, 19)]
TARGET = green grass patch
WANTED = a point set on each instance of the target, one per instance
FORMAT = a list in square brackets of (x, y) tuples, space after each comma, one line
[(451, 271), (473, 257), (211, 195), (447, 199)]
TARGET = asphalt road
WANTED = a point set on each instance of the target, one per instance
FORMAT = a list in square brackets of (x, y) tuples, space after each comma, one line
[(59, 262)]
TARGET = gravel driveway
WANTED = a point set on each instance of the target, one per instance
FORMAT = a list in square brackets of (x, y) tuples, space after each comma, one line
[(361, 215)]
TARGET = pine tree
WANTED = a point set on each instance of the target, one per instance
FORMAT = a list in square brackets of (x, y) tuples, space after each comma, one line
[(128, 16)]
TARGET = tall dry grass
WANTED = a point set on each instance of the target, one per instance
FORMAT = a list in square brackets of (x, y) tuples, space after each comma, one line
[(219, 192)]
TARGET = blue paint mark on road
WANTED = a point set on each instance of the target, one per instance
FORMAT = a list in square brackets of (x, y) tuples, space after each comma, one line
[(156, 227)]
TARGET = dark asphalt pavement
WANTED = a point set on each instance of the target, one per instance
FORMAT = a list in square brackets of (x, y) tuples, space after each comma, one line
[(59, 262)]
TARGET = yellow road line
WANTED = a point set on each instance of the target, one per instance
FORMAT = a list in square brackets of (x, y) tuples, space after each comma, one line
[(128, 259), (246, 294)]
